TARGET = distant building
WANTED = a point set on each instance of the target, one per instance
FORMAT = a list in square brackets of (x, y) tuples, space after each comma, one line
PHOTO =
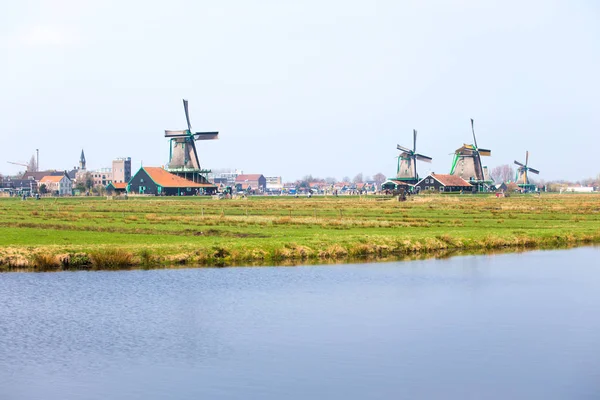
[(224, 178), (443, 183), (251, 182), (274, 182), (18, 186), (121, 170), (57, 185), (38, 175), (102, 176), (157, 181), (580, 189)]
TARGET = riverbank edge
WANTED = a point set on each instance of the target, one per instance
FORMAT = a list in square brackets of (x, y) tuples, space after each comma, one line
[(19, 259)]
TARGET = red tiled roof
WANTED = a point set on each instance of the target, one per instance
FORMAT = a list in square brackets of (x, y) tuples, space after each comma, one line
[(166, 179), (119, 185), (247, 177), (451, 180), (52, 178)]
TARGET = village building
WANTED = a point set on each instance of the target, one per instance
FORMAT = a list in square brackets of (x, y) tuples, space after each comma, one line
[(443, 183), (38, 175), (116, 188), (274, 183), (159, 182), (102, 176), (57, 185), (250, 182), (18, 186), (394, 186), (121, 170)]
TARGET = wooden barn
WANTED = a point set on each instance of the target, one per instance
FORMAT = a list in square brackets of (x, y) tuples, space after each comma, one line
[(116, 188), (443, 183), (159, 182), (395, 185)]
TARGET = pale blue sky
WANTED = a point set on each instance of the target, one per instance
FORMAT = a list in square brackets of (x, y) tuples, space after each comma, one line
[(326, 88)]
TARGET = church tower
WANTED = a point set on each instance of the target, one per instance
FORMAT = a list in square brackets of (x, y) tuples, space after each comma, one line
[(82, 161)]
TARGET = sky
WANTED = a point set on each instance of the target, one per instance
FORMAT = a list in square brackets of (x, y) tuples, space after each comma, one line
[(326, 88)]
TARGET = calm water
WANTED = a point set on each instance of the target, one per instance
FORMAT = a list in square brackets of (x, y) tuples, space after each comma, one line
[(480, 327)]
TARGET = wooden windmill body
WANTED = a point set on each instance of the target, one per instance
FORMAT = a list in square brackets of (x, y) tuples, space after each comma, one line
[(467, 164), (407, 162), (183, 155)]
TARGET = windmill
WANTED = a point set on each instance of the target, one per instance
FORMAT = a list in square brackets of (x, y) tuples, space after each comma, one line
[(183, 157), (467, 161), (407, 162), (523, 171)]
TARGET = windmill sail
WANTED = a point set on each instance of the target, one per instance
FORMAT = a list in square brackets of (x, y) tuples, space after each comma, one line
[(467, 161), (183, 153), (407, 161), (523, 171)]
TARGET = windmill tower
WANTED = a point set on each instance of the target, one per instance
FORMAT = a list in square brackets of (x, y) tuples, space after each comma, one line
[(407, 162), (467, 163), (523, 171), (183, 157)]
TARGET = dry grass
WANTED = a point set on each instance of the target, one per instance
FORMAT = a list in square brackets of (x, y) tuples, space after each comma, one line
[(111, 259)]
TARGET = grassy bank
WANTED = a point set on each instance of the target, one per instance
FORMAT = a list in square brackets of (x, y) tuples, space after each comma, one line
[(54, 234)]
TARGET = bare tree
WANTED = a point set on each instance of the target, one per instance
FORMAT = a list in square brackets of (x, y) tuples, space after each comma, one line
[(503, 173), (379, 178), (330, 180), (89, 181), (358, 178), (346, 179), (32, 165)]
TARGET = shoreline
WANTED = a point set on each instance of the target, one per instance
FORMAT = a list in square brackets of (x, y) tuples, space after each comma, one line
[(83, 233), (120, 260)]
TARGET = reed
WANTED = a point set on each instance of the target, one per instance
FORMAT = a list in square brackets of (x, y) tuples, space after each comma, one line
[(112, 259), (45, 262)]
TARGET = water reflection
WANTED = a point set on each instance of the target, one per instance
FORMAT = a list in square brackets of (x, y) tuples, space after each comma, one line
[(507, 326)]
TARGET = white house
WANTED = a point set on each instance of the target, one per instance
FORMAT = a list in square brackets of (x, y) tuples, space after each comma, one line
[(57, 185)]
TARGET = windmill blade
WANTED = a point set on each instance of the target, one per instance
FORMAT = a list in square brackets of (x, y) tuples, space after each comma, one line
[(206, 135), (535, 171), (519, 164), (485, 152), (414, 140), (423, 158), (187, 115), (403, 149), (527, 157), (176, 133), (473, 129)]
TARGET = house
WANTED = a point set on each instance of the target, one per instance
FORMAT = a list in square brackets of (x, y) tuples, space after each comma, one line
[(159, 182), (57, 185), (18, 186), (443, 183), (38, 175), (116, 188), (251, 182)]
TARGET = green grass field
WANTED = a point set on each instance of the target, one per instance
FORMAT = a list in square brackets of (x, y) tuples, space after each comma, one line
[(97, 233)]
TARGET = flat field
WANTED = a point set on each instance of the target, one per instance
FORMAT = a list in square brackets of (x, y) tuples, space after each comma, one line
[(84, 232)]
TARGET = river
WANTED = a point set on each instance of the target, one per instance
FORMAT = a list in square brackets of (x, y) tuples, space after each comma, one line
[(522, 325)]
